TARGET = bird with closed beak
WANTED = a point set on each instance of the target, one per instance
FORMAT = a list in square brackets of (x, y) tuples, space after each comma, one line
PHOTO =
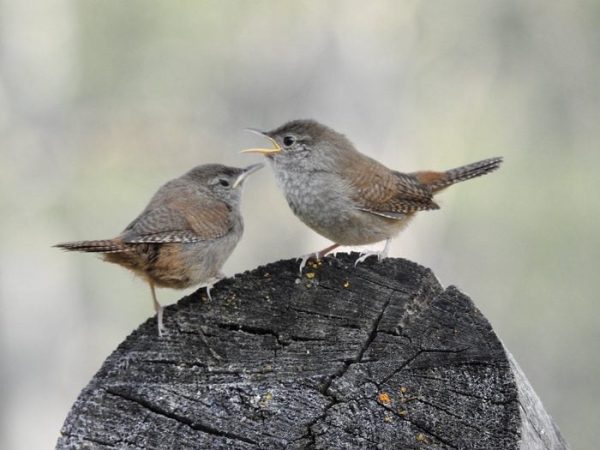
[(347, 196), (184, 235)]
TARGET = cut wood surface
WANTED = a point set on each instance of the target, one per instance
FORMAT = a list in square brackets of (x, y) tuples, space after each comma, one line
[(376, 356)]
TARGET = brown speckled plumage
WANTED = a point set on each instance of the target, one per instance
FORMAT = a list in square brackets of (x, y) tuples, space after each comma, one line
[(346, 196), (185, 234)]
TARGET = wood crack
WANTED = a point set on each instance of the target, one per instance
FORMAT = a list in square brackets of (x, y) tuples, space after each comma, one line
[(325, 388), (313, 368), (204, 428)]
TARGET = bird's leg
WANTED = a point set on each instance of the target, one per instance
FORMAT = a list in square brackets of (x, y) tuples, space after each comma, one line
[(303, 260), (316, 255), (210, 283), (159, 311), (326, 250), (380, 254), (386, 249)]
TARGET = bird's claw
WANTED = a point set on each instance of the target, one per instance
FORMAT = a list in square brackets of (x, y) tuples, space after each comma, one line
[(210, 284), (364, 255), (159, 322), (381, 255), (305, 258)]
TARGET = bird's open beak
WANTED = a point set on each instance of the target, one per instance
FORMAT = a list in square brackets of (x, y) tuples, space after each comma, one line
[(247, 171), (264, 151)]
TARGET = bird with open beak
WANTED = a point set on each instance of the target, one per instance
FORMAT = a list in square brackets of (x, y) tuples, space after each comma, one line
[(347, 196)]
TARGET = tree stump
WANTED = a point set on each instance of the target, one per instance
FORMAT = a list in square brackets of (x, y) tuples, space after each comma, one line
[(377, 356)]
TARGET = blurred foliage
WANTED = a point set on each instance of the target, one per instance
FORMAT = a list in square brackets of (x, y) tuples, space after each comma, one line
[(101, 102)]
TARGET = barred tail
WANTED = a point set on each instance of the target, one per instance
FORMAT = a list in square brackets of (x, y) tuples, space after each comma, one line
[(464, 173), (99, 246)]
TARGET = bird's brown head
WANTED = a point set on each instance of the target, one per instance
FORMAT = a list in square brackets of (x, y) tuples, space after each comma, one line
[(223, 182), (305, 143)]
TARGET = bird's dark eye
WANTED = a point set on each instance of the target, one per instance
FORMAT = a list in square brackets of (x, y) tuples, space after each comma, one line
[(224, 182), (288, 140)]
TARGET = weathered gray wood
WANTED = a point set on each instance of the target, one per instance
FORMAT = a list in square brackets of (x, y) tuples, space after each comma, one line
[(538, 430), (378, 356)]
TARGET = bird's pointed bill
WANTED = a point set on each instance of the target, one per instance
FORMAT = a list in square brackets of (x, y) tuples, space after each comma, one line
[(247, 171), (263, 151)]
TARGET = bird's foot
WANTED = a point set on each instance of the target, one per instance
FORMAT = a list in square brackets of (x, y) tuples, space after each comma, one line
[(381, 255), (365, 255), (159, 322), (317, 256), (305, 258), (210, 283)]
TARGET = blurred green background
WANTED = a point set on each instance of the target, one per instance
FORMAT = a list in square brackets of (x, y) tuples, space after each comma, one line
[(103, 101)]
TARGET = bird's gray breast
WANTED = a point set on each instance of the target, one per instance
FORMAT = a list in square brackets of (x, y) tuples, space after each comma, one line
[(318, 198)]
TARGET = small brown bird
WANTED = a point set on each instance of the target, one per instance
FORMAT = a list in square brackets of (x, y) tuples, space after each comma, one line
[(185, 234), (346, 196)]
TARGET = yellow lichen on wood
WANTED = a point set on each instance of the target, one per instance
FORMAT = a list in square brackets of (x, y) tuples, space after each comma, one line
[(422, 438), (265, 399), (384, 398)]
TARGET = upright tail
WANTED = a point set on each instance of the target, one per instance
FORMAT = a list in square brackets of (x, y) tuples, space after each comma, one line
[(99, 246), (440, 180)]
